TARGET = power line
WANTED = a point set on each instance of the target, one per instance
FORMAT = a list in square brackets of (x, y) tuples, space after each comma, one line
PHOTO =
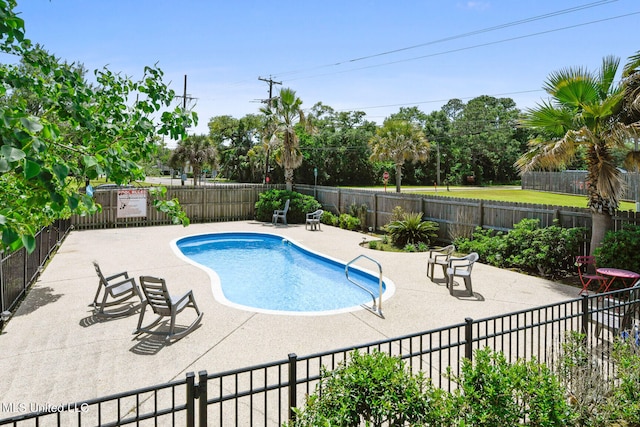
[(433, 101), (473, 46), (458, 36)]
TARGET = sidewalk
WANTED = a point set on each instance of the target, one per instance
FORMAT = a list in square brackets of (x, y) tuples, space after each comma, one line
[(54, 350)]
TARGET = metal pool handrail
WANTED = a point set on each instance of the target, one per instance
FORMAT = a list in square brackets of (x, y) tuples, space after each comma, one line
[(376, 308)]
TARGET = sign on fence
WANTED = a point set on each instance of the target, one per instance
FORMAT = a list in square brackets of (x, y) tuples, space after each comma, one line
[(132, 203)]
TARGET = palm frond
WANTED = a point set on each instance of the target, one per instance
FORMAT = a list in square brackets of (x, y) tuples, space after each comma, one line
[(609, 182), (546, 117), (632, 160), (632, 66), (557, 80), (607, 75)]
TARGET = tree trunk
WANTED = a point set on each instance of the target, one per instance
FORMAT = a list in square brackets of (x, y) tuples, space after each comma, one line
[(288, 178), (600, 224), (398, 177)]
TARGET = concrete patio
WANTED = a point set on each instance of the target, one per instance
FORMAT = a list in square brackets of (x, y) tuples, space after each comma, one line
[(55, 350)]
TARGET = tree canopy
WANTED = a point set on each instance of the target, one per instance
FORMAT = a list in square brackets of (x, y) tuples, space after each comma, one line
[(57, 129)]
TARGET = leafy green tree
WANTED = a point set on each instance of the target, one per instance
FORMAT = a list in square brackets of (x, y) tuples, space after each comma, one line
[(583, 112), (399, 141), (338, 148), (57, 130), (486, 131), (196, 151), (437, 129), (236, 141), (284, 112)]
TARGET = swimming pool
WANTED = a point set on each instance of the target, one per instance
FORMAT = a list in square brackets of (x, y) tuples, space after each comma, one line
[(270, 274)]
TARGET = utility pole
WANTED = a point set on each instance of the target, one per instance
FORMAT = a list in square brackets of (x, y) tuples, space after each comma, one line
[(271, 83), (184, 95), (268, 101)]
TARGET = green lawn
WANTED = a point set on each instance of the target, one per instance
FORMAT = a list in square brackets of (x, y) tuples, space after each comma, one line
[(508, 194)]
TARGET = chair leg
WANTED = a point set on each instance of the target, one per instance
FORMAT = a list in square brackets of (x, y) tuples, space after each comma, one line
[(450, 284), (95, 299), (467, 284)]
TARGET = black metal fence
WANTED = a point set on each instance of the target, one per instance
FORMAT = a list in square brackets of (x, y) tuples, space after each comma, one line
[(19, 269), (263, 395)]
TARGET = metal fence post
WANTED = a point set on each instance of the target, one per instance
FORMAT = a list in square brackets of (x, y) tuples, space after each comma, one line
[(468, 338), (202, 396), (293, 379), (585, 316), (191, 395)]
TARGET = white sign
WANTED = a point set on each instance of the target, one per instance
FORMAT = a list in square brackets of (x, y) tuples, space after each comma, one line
[(132, 203)]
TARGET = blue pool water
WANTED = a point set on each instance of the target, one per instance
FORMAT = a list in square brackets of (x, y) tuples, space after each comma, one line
[(266, 273)]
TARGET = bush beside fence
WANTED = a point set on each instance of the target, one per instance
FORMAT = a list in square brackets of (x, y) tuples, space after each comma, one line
[(456, 216)]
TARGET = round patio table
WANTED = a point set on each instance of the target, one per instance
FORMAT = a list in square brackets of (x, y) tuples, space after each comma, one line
[(617, 273)]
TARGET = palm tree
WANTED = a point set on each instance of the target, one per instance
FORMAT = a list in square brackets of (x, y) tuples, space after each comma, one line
[(581, 117), (282, 115), (197, 151), (398, 141)]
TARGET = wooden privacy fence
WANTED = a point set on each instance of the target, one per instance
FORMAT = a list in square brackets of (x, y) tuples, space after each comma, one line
[(209, 203), (575, 182), (456, 216)]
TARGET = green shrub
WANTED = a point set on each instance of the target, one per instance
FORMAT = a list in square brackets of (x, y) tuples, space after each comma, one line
[(546, 251), (624, 404), (373, 244), (601, 398), (493, 392), (409, 248), (372, 389), (360, 212), (348, 222), (411, 229), (329, 218), (397, 214), (299, 206), (620, 248)]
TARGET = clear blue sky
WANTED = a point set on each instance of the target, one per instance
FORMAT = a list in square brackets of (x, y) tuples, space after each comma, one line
[(373, 56)]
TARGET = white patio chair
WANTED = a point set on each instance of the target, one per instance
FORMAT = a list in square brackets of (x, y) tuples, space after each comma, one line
[(461, 267), (313, 220), (281, 214), (439, 257)]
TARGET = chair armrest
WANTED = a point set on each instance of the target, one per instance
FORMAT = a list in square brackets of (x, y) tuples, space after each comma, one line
[(437, 257), (122, 282), (123, 274), (461, 266), (456, 259), (176, 302)]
